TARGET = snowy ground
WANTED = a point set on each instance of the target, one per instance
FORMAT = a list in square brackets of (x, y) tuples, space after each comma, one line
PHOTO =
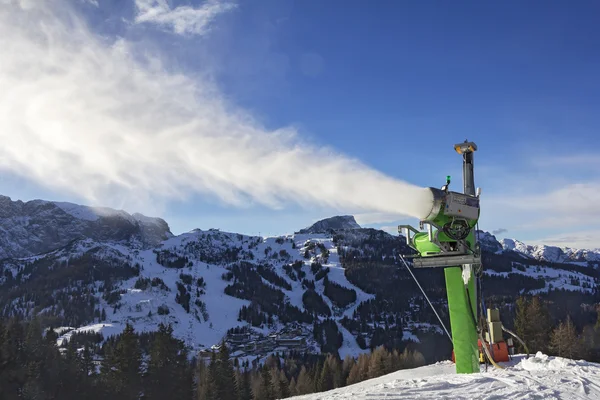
[(539, 377)]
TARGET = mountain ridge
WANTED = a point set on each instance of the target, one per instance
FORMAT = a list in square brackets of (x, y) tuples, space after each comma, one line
[(38, 226), (338, 289)]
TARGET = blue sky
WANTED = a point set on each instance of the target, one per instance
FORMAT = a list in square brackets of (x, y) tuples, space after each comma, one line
[(393, 84)]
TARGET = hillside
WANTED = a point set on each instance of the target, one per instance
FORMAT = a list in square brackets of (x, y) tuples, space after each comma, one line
[(336, 288), (539, 377)]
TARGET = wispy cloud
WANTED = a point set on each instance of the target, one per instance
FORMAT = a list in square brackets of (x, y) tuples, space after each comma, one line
[(564, 206), (84, 117), (589, 239), (183, 20), (499, 231), (551, 193)]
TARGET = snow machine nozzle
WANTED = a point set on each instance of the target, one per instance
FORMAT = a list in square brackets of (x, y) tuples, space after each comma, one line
[(449, 239)]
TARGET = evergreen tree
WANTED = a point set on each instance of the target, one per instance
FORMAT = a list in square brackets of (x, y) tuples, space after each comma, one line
[(266, 385), (205, 385), (532, 324), (293, 391), (378, 363), (346, 368), (121, 367), (353, 375), (565, 342), (243, 385), (325, 381), (225, 378), (43, 364), (168, 368), (304, 384)]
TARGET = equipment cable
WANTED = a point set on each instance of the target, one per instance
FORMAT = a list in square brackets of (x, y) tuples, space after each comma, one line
[(427, 298)]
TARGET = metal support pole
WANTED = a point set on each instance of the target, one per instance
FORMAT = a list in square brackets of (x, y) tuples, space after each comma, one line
[(460, 306)]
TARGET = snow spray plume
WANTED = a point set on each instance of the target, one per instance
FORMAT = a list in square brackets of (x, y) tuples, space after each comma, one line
[(82, 115)]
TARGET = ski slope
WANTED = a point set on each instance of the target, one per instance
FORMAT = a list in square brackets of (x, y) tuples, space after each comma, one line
[(539, 377)]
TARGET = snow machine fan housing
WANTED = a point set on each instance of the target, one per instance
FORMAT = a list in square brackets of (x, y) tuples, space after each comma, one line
[(450, 222)]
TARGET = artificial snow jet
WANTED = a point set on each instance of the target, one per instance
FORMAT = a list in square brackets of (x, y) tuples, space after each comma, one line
[(447, 239)]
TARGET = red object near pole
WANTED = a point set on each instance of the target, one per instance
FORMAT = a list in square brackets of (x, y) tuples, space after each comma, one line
[(499, 351)]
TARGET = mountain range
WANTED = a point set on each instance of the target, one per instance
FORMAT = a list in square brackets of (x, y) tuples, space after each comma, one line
[(332, 287)]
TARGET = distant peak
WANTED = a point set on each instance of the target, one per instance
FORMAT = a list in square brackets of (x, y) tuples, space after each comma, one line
[(340, 222)]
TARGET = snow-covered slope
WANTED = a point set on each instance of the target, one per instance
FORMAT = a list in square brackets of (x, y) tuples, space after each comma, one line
[(97, 269), (538, 377), (538, 252), (199, 265)]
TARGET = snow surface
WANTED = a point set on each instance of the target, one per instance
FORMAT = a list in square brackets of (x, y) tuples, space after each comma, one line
[(555, 278), (538, 377)]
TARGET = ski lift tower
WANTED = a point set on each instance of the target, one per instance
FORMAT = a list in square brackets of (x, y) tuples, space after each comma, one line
[(450, 242)]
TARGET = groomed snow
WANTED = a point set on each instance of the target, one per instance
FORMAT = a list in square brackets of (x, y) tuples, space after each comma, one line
[(539, 377)]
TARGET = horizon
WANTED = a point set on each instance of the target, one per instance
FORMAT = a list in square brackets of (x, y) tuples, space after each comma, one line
[(292, 232), (260, 117)]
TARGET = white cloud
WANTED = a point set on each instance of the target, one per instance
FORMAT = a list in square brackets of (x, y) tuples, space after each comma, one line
[(548, 194), (566, 206), (183, 20), (589, 239), (83, 117)]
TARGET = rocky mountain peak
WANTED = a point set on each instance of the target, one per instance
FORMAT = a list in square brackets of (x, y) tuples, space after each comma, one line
[(38, 226), (340, 222)]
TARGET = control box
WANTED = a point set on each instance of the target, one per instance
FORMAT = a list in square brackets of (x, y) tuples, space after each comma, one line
[(462, 206)]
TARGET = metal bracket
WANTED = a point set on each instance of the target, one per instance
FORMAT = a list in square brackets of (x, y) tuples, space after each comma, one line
[(406, 230), (445, 261)]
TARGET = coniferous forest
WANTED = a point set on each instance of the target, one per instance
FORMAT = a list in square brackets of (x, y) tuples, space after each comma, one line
[(157, 365)]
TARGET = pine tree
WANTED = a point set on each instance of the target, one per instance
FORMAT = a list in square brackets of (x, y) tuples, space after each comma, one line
[(533, 324), (377, 363), (168, 367), (354, 375), (121, 367), (565, 342), (293, 391), (363, 367), (346, 368), (266, 385), (304, 384), (243, 385), (205, 385), (325, 381), (225, 378), (316, 376), (541, 321), (43, 365), (284, 385)]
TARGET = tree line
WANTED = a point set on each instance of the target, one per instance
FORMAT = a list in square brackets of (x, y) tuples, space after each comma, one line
[(541, 332), (157, 366)]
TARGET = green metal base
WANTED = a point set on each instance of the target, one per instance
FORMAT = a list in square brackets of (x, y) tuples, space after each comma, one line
[(464, 332)]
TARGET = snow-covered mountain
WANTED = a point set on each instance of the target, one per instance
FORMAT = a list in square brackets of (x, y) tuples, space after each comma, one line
[(332, 287), (337, 223), (538, 252), (536, 377), (39, 226)]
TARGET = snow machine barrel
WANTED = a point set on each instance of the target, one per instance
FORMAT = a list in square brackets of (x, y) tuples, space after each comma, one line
[(450, 223)]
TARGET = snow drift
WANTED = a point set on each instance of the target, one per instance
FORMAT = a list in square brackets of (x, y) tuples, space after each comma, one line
[(539, 377)]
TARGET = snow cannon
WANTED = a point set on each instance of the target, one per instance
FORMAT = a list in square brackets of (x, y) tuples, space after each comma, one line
[(450, 224), (446, 239)]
